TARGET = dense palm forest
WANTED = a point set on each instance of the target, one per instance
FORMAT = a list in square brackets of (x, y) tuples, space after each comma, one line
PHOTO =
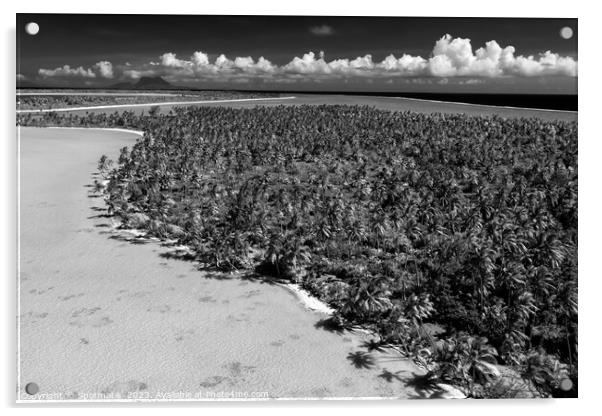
[(402, 222)]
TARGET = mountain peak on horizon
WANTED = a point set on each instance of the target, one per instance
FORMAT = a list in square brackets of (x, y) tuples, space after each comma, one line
[(152, 83), (144, 83)]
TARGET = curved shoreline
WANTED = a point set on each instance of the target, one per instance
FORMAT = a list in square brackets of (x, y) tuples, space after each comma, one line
[(122, 318), (307, 299), (138, 132), (152, 104)]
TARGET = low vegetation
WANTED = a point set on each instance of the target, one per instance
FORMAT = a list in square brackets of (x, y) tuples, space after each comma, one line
[(402, 222), (36, 102)]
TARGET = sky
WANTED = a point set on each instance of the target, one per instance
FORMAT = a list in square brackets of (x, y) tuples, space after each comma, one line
[(302, 53)]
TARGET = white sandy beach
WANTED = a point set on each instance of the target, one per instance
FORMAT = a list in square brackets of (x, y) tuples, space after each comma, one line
[(149, 105), (105, 318)]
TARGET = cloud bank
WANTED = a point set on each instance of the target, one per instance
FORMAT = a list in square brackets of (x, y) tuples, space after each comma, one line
[(67, 71), (103, 69), (450, 57)]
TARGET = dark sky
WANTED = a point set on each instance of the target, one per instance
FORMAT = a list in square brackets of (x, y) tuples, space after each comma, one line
[(140, 40)]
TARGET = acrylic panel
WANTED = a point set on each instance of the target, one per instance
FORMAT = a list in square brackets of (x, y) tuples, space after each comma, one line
[(296, 207)]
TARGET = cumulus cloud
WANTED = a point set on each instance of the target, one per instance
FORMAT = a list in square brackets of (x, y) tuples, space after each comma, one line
[(308, 64), (102, 69), (360, 66), (407, 64), (170, 60), (455, 57), (67, 71), (321, 30), (199, 65), (450, 57)]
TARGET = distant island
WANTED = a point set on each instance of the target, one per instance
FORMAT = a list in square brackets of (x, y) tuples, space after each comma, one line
[(144, 83)]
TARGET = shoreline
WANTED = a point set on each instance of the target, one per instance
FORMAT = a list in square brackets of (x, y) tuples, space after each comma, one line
[(303, 296), (159, 104), (310, 303), (157, 323)]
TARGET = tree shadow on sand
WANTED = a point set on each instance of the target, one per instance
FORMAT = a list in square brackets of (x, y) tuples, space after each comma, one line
[(373, 345), (390, 377), (132, 240), (93, 217), (425, 387), (331, 325), (361, 359), (214, 273), (178, 255)]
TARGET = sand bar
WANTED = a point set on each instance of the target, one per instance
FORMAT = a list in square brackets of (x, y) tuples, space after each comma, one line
[(136, 105)]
